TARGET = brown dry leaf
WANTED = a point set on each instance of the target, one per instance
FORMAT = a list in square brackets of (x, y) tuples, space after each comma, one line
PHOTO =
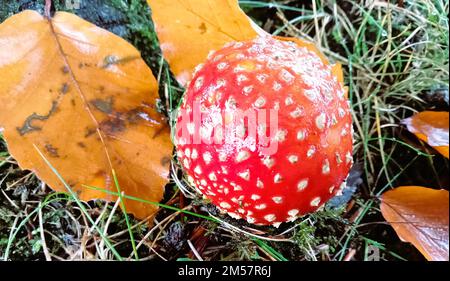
[(419, 215), (86, 99), (189, 29), (431, 127)]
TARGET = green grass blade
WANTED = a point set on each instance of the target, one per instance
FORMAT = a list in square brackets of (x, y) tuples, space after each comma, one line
[(153, 203), (274, 253), (124, 210)]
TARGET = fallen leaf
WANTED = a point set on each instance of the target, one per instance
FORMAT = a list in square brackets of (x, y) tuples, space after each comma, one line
[(189, 29), (431, 127), (419, 215), (86, 99)]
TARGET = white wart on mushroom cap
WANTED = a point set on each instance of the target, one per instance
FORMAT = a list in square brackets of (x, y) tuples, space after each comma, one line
[(313, 136)]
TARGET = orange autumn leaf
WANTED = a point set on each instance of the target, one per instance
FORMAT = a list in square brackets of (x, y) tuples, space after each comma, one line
[(189, 29), (431, 127), (420, 216), (85, 98)]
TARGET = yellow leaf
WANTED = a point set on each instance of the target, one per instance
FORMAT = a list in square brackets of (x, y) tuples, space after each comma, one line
[(189, 29), (86, 99), (420, 216), (431, 127)]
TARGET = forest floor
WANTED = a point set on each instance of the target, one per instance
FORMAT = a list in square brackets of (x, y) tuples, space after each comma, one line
[(395, 59)]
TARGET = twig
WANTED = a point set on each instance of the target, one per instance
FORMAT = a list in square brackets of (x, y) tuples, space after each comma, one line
[(41, 228), (316, 23), (196, 254), (351, 253), (108, 221), (10, 201), (48, 6), (100, 217)]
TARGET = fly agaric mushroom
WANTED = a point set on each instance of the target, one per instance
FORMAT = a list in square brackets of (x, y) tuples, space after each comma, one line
[(308, 122)]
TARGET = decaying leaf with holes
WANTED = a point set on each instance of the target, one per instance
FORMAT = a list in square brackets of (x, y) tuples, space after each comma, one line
[(189, 29), (431, 127), (86, 99), (419, 215)]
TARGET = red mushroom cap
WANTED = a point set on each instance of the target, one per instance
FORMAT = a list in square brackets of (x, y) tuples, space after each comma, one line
[(292, 151)]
